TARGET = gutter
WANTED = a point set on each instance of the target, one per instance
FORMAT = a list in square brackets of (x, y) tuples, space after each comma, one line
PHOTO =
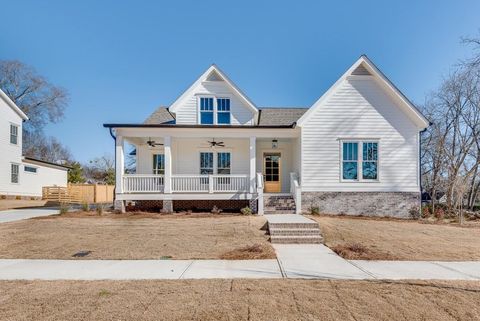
[(196, 126)]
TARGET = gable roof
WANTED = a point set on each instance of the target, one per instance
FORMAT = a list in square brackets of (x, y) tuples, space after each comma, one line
[(365, 67), (160, 116), (12, 105), (279, 116), (213, 73)]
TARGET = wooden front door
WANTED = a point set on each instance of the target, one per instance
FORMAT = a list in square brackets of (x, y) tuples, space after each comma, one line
[(272, 172)]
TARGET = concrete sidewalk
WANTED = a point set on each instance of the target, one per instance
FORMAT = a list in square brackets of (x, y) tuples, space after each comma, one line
[(25, 213), (294, 261)]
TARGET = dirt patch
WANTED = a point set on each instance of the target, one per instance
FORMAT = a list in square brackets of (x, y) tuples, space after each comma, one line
[(11, 204), (393, 239), (357, 251), (133, 236), (238, 300), (252, 252)]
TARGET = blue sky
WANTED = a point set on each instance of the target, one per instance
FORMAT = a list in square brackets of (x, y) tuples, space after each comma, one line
[(121, 59)]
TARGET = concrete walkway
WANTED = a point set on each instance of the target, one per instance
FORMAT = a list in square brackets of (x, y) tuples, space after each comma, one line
[(310, 261), (24, 213)]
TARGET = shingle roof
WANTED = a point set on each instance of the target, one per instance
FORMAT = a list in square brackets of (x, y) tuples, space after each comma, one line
[(269, 116), (280, 116), (160, 116)]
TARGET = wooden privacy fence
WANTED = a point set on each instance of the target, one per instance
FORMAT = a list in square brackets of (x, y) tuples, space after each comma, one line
[(79, 193)]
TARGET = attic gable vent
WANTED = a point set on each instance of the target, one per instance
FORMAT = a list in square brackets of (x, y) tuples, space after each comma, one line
[(214, 77), (361, 71)]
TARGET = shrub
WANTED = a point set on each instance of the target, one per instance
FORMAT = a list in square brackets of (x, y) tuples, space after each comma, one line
[(64, 208), (314, 210), (414, 212), (426, 211), (439, 213), (216, 210), (246, 211), (85, 207), (99, 209)]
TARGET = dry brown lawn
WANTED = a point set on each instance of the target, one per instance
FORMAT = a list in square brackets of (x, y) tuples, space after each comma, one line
[(238, 300), (9, 204), (136, 236), (390, 239)]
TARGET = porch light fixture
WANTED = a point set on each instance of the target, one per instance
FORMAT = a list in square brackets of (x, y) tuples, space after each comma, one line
[(274, 143)]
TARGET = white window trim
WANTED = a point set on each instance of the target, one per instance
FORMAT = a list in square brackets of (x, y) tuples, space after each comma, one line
[(28, 172), (18, 174), (215, 108), (152, 167), (215, 159), (360, 142), (10, 133)]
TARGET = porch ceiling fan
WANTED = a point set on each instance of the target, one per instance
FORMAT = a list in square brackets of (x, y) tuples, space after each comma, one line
[(153, 143), (214, 143)]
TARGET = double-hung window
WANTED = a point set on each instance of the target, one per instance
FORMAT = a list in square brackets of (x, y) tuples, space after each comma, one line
[(14, 173), (206, 163), (361, 166), (159, 164), (213, 111), (13, 134), (223, 163), (223, 111), (206, 110)]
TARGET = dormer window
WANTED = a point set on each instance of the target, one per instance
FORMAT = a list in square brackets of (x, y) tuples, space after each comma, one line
[(223, 111), (214, 111), (206, 110)]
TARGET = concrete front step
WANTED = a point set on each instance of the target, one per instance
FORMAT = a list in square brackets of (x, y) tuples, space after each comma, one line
[(292, 225), (279, 212), (294, 232), (296, 239)]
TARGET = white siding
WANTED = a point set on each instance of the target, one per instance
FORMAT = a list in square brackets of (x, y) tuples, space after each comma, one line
[(9, 153), (187, 113), (186, 155), (358, 109), (31, 183)]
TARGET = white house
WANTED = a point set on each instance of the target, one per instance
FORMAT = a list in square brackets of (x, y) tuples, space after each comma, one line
[(22, 177), (355, 151)]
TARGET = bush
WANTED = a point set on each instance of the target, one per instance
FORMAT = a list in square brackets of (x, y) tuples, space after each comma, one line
[(314, 210), (216, 210), (426, 211), (64, 208), (85, 207), (246, 211), (439, 213), (414, 212), (99, 209)]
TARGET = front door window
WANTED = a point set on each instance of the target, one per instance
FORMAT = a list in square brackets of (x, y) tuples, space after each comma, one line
[(272, 172)]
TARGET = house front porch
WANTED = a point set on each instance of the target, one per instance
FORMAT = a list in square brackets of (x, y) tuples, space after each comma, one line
[(182, 167)]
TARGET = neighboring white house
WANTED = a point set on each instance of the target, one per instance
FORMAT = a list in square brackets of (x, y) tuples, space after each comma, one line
[(355, 151), (22, 177)]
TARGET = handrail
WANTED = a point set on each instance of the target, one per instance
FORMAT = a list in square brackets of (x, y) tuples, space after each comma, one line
[(296, 191)]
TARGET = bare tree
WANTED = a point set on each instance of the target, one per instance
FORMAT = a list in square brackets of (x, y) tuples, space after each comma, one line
[(101, 170), (42, 102), (46, 148)]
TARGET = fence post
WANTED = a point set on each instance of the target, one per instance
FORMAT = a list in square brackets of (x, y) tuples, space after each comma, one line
[(95, 193)]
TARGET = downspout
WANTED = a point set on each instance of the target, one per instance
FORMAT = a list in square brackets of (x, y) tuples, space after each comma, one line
[(420, 164), (110, 129)]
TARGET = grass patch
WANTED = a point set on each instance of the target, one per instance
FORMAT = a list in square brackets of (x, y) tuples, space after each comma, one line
[(252, 252)]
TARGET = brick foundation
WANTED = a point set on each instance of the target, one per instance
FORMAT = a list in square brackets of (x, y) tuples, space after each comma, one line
[(227, 206), (393, 204)]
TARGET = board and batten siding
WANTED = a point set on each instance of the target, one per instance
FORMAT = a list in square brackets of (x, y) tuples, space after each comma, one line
[(187, 113), (359, 109)]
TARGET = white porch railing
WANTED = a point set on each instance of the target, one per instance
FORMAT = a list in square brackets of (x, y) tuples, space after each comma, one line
[(134, 183), (296, 192), (210, 183)]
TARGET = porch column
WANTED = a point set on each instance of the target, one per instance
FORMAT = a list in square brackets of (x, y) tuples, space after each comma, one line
[(253, 151), (167, 149), (119, 164)]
